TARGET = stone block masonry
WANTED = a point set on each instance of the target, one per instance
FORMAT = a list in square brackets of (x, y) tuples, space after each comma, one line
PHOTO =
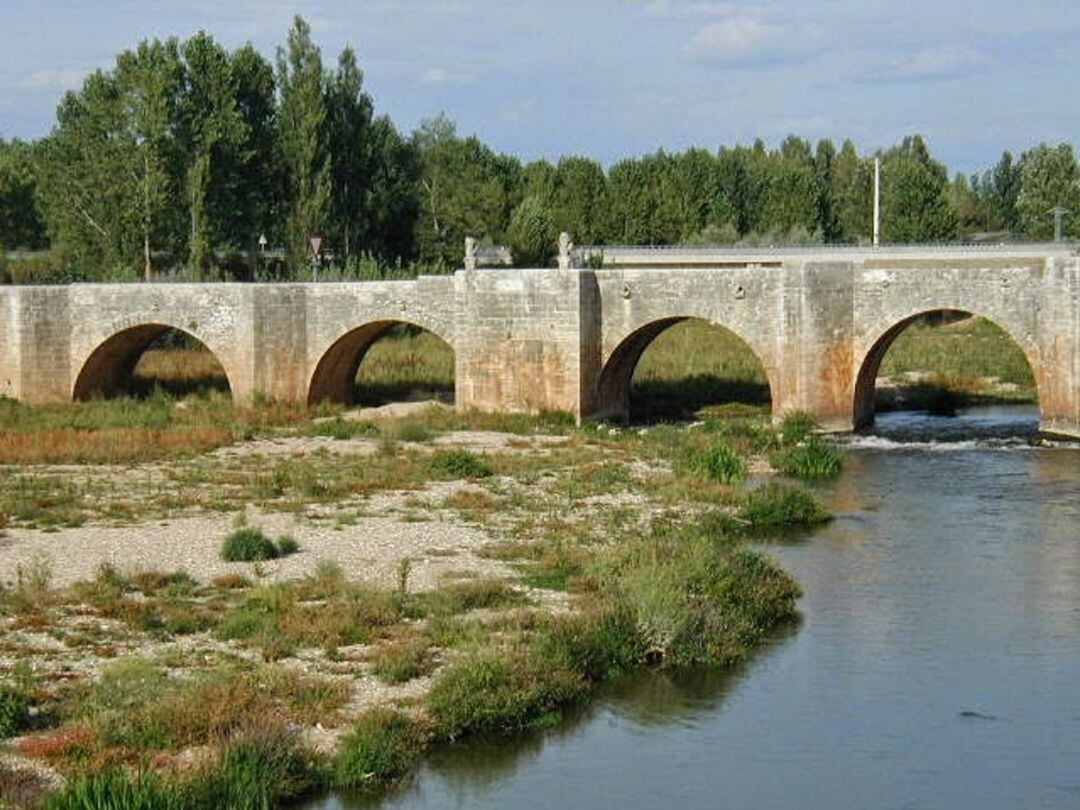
[(820, 321)]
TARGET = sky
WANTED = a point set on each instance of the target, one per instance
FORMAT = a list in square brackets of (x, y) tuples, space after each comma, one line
[(612, 79)]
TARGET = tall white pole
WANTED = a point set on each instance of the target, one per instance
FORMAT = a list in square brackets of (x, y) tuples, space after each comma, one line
[(877, 201)]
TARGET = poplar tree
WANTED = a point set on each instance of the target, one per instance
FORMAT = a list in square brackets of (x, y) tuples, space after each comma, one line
[(350, 112), (213, 130), (302, 141)]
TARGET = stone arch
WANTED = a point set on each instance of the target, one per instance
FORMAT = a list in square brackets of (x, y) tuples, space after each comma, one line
[(617, 372), (870, 363), (334, 376), (109, 366)]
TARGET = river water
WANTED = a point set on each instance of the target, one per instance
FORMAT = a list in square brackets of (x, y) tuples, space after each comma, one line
[(937, 664)]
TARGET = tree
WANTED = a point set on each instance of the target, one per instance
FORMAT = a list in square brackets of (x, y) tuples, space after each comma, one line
[(212, 132), (915, 195), (302, 141), (249, 197), (350, 113), (1048, 178), (792, 194), (465, 189), (21, 225), (850, 195), (532, 233), (393, 207), (579, 199), (109, 173)]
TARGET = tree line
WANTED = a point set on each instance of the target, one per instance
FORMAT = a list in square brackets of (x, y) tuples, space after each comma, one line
[(183, 154)]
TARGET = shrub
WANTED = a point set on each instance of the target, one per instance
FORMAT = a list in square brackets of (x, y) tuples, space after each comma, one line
[(248, 544), (494, 690), (287, 545), (815, 458), (459, 464), (718, 463), (14, 710), (775, 507), (381, 748)]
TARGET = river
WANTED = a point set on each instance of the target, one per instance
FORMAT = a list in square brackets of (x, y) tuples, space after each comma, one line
[(937, 664)]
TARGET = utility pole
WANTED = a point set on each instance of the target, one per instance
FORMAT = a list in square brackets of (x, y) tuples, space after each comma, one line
[(877, 201), (1058, 211)]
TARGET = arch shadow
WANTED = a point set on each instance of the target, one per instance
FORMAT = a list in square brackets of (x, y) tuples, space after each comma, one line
[(676, 400), (866, 379), (109, 369), (334, 377)]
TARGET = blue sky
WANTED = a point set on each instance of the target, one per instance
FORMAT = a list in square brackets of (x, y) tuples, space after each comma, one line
[(611, 79)]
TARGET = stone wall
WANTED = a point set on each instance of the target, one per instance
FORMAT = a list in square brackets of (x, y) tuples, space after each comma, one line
[(566, 339)]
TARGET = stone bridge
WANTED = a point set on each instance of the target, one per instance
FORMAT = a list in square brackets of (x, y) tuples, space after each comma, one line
[(819, 320)]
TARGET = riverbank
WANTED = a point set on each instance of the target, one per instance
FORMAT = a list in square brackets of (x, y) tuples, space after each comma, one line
[(449, 578)]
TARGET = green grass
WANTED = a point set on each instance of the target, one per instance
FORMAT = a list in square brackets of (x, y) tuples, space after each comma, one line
[(115, 789), (693, 365), (718, 462), (492, 690), (969, 348), (250, 544), (406, 364), (813, 458), (774, 507), (381, 747), (459, 464)]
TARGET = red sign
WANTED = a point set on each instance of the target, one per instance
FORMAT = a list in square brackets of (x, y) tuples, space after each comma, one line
[(316, 244)]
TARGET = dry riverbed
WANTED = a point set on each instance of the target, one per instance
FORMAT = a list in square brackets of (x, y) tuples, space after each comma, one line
[(418, 548)]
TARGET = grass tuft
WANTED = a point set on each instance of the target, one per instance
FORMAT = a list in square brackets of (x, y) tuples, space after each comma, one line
[(379, 750), (459, 464), (717, 462), (774, 507)]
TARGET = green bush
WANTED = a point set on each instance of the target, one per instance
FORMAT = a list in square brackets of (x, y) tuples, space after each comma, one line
[(493, 690), (14, 710), (286, 545), (380, 749), (775, 507), (814, 458), (718, 463), (459, 464), (248, 544)]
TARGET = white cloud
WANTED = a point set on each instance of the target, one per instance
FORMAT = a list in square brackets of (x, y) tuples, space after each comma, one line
[(53, 79), (441, 75), (669, 10), (752, 38), (940, 63)]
